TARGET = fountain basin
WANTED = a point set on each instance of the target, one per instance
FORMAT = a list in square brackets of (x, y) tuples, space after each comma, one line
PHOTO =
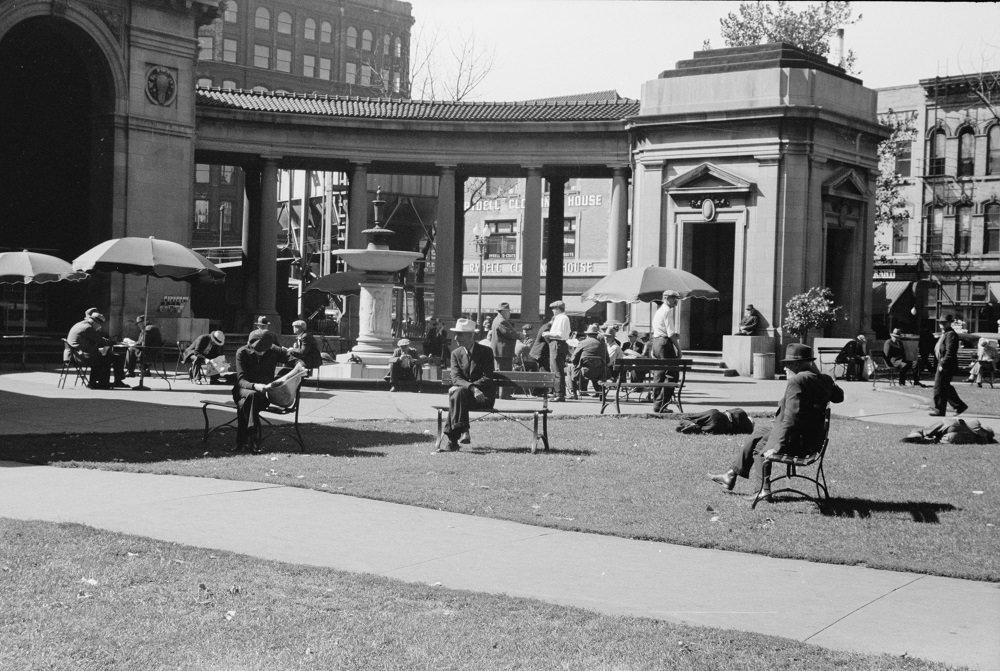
[(377, 260)]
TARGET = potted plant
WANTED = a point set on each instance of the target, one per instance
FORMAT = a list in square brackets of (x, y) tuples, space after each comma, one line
[(812, 310)]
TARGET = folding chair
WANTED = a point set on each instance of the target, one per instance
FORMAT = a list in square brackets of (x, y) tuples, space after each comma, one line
[(182, 346), (792, 464), (72, 365), (882, 370)]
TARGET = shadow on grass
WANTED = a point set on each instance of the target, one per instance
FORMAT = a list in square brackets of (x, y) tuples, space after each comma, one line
[(919, 511), (159, 446), (488, 449)]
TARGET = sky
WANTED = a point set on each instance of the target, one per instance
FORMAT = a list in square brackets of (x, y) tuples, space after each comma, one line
[(544, 48)]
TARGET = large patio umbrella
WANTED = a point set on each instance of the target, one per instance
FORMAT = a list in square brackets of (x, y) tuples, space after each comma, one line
[(345, 283), (33, 268), (149, 257), (647, 283)]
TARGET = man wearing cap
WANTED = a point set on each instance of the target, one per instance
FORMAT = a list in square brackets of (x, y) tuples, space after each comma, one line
[(946, 352), (89, 345), (798, 425), (204, 348), (666, 344), (472, 385), (404, 366), (590, 361), (503, 342), (305, 348), (558, 334), (750, 322), (895, 355), (149, 337), (256, 363)]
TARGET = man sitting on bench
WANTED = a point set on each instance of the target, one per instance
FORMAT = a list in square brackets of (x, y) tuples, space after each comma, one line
[(255, 365), (472, 387)]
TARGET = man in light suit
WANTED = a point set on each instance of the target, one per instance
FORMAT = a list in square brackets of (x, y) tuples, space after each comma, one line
[(473, 388)]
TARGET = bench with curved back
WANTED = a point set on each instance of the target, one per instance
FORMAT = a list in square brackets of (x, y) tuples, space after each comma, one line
[(791, 473)]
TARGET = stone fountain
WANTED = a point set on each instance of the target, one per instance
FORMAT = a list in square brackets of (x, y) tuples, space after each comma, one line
[(379, 263)]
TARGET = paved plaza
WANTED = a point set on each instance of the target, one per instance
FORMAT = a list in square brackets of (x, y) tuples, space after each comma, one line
[(841, 607)]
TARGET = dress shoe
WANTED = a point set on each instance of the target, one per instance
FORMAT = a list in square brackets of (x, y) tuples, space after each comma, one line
[(962, 408), (727, 480), (119, 383), (559, 399), (936, 413), (466, 438), (762, 496), (393, 389), (575, 396)]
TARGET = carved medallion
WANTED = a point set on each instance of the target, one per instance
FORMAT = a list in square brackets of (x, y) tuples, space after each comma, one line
[(161, 86)]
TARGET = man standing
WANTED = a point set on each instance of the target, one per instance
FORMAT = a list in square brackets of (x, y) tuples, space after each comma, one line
[(503, 341), (666, 344), (472, 387), (895, 355), (557, 335), (798, 424), (946, 351)]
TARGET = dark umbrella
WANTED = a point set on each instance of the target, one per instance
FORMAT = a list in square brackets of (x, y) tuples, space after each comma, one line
[(339, 283), (147, 256), (33, 268)]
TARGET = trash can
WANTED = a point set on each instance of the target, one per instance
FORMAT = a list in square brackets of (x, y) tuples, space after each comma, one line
[(763, 366)]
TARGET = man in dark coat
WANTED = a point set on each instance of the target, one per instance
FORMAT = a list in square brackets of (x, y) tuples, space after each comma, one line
[(305, 348), (90, 346), (435, 340), (503, 341), (539, 351), (946, 351), (798, 424), (750, 322), (895, 355), (204, 348), (589, 361), (256, 363), (150, 338), (472, 387), (717, 422)]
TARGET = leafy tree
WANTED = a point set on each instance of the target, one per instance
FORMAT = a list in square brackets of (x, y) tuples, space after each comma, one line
[(806, 26), (812, 310), (891, 210)]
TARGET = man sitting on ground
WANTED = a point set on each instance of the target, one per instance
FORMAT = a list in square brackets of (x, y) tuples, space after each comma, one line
[(798, 425), (472, 387)]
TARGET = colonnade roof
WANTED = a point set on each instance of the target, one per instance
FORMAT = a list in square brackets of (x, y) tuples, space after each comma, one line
[(546, 110)]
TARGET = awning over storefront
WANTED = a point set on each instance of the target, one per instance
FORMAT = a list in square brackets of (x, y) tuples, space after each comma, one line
[(892, 297)]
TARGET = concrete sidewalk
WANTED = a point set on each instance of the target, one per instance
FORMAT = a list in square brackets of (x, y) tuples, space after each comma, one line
[(840, 607)]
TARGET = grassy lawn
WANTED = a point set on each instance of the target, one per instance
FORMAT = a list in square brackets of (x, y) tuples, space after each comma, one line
[(79, 599), (924, 508), (982, 400)]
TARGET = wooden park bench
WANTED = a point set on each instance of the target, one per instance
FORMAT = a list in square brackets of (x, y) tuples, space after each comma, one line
[(625, 371), (528, 382)]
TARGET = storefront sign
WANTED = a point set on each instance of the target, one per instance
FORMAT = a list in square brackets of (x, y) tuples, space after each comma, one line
[(512, 267), (887, 274), (517, 202)]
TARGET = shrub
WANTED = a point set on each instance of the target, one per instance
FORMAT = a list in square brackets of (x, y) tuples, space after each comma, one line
[(812, 310)]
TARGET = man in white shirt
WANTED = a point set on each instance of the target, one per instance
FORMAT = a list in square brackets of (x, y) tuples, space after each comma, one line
[(665, 344), (557, 336)]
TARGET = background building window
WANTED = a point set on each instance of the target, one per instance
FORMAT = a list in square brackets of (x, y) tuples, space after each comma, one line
[(502, 242), (205, 46), (366, 40), (398, 48), (900, 238), (325, 32), (966, 153), (569, 238), (963, 230), (396, 82), (935, 230), (993, 150), (205, 81), (228, 84), (352, 37), (284, 23), (201, 214), (226, 215), (201, 173), (935, 166), (262, 19), (366, 75), (229, 50), (385, 45), (230, 12), (351, 73), (309, 31), (282, 60), (384, 80), (324, 69), (904, 157), (308, 66), (226, 172), (261, 56), (991, 229)]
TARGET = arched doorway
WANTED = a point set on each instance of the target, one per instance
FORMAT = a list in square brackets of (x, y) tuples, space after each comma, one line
[(56, 151)]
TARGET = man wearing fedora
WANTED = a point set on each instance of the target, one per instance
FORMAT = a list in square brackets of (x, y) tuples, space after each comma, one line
[(590, 361), (666, 344), (503, 341), (946, 352), (472, 385), (90, 346), (798, 424), (895, 355)]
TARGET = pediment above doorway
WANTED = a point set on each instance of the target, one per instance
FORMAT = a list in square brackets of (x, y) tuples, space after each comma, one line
[(706, 179), (846, 183)]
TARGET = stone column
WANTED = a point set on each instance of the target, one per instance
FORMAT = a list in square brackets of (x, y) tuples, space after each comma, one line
[(375, 318), (531, 247), (251, 243), (556, 239), (618, 234), (357, 214), (459, 242), (267, 245), (445, 307)]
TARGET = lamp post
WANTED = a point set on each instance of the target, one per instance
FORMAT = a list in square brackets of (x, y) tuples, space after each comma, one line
[(481, 235)]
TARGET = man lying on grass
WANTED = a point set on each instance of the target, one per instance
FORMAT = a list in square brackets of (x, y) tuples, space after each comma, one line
[(798, 425)]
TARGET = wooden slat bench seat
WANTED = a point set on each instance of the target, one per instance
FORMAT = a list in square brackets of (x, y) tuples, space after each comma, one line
[(529, 382), (622, 376)]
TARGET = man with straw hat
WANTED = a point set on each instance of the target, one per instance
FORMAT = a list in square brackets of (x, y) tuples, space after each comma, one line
[(472, 385), (205, 347)]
